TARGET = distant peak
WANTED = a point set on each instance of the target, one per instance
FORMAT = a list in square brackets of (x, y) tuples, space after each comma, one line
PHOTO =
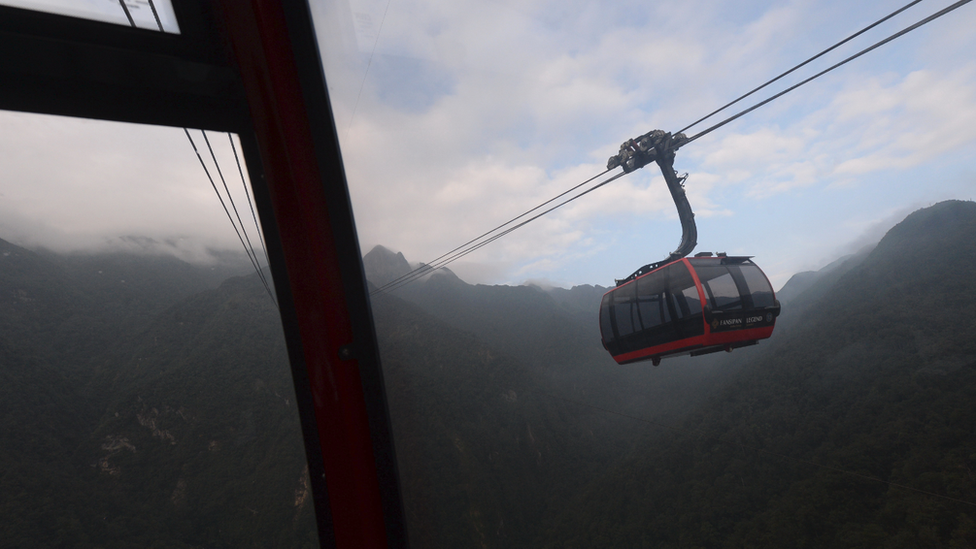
[(383, 265), (383, 250), (936, 225)]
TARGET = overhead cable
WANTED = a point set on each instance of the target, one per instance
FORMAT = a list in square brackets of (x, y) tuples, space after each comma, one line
[(248, 247), (128, 15), (874, 46), (801, 65), (229, 217), (417, 273), (424, 269), (477, 243), (159, 23), (254, 215)]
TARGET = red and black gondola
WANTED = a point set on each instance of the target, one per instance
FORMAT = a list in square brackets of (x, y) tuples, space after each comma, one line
[(691, 306), (682, 305)]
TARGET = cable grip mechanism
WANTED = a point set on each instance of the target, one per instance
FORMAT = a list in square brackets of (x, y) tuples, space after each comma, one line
[(660, 146)]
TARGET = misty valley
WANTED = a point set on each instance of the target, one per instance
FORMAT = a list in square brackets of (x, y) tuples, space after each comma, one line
[(148, 402)]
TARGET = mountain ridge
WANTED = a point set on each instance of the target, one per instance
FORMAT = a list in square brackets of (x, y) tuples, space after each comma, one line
[(513, 425)]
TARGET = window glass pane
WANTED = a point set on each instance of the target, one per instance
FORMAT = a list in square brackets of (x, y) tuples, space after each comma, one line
[(454, 117), (623, 308), (719, 287), (724, 293), (691, 300), (684, 291), (635, 317), (606, 329), (144, 13), (759, 287), (687, 305), (652, 299), (145, 387)]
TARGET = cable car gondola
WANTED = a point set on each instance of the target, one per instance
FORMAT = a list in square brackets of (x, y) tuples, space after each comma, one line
[(683, 305), (691, 306)]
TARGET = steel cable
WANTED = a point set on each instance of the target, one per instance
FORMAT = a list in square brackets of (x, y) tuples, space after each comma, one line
[(421, 271), (801, 65), (870, 48), (248, 247), (417, 273), (477, 243), (219, 197), (254, 215)]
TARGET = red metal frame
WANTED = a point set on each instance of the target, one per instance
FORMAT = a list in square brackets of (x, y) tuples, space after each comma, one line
[(259, 36)]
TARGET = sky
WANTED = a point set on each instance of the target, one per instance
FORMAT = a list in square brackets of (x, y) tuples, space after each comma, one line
[(109, 11), (455, 116)]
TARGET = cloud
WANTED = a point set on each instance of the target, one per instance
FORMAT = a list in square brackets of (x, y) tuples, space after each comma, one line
[(871, 231), (873, 125), (538, 93), (73, 183), (473, 155), (921, 117), (454, 117), (110, 12)]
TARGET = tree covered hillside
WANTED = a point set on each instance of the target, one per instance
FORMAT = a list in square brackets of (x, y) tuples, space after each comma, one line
[(492, 392), (155, 413), (854, 428), (482, 459), (201, 429), (554, 334), (137, 414)]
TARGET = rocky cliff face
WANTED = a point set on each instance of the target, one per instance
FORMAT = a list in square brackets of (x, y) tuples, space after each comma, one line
[(382, 265)]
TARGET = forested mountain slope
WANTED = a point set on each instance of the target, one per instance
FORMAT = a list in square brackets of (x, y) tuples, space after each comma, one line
[(495, 394), (482, 458), (200, 430), (133, 416), (68, 308), (844, 432), (555, 334), (160, 413), (42, 310), (488, 446)]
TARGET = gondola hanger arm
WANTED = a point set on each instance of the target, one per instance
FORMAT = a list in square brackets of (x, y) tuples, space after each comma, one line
[(660, 146)]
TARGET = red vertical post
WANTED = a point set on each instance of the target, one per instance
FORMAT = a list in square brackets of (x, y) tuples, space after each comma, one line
[(258, 34)]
